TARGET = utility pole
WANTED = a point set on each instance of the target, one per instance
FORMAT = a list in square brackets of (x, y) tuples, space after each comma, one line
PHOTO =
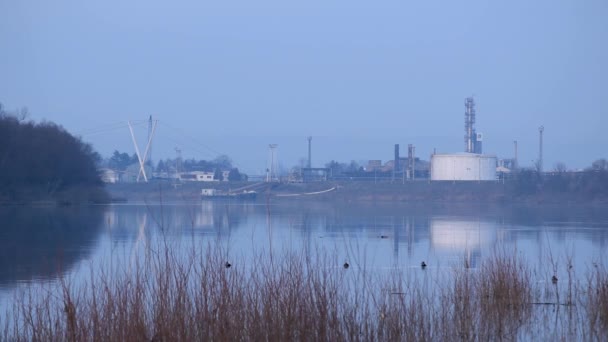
[(178, 164), (541, 129), (150, 132), (309, 152), (396, 162), (148, 147), (142, 160), (514, 166), (272, 170), (413, 162)]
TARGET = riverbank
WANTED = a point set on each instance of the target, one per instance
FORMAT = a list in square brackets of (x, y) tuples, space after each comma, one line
[(73, 195), (359, 191)]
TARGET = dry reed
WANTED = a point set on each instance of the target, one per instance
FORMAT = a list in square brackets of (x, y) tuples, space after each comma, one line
[(169, 297)]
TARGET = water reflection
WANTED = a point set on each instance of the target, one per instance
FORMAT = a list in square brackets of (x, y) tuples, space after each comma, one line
[(467, 238), (37, 243), (392, 235), (41, 243)]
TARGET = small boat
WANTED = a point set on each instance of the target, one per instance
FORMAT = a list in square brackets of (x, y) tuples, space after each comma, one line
[(212, 194)]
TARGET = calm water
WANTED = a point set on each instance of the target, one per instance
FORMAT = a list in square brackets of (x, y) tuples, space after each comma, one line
[(38, 245)]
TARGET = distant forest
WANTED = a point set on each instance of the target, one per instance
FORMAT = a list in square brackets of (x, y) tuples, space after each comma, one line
[(42, 161)]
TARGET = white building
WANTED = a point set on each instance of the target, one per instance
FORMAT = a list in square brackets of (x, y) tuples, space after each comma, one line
[(197, 176), (108, 176), (463, 167)]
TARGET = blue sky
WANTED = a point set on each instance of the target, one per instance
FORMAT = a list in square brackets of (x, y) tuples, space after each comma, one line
[(359, 76)]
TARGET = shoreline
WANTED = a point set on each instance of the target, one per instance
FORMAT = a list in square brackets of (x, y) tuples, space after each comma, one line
[(423, 192)]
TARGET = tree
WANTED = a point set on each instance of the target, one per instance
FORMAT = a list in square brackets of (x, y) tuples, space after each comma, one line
[(527, 182), (223, 162), (120, 161), (336, 168), (354, 167), (600, 165), (234, 175), (20, 114), (43, 157), (161, 167), (218, 175), (560, 167)]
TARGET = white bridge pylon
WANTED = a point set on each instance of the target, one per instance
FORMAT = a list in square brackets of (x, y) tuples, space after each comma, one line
[(142, 161)]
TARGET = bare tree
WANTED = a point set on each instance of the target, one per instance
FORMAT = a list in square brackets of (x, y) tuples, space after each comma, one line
[(560, 167), (22, 113), (538, 166), (600, 165)]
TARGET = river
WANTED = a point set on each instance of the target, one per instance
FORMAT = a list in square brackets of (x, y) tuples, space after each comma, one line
[(44, 247)]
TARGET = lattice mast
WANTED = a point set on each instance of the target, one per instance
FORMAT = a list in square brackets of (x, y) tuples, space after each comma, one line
[(469, 125)]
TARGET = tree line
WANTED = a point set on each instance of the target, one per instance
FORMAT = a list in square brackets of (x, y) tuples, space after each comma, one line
[(42, 159), (120, 161)]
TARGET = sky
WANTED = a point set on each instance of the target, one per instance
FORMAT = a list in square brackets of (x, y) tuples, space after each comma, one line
[(231, 77)]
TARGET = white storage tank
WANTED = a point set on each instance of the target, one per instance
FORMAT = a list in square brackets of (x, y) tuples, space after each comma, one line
[(463, 167)]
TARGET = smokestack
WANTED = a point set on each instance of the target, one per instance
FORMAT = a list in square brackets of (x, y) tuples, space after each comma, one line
[(413, 162), (396, 162), (309, 152), (396, 157)]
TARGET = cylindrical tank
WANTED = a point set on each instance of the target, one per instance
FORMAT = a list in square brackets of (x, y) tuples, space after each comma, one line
[(463, 167)]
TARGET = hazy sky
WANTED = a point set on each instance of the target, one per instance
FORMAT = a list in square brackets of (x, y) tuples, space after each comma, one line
[(359, 76)]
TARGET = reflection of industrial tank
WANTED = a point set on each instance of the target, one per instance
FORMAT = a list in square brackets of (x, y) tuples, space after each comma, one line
[(462, 238), (463, 167), (456, 235)]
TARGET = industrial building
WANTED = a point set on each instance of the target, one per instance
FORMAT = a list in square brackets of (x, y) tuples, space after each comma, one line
[(470, 165)]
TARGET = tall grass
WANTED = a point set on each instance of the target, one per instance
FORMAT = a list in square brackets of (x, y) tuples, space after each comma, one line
[(169, 297)]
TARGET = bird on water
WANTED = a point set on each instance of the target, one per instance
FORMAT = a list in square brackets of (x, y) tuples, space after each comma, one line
[(227, 264), (423, 265), (346, 265)]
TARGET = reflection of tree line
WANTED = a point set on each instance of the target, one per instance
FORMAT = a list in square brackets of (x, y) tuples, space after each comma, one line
[(45, 242), (41, 242)]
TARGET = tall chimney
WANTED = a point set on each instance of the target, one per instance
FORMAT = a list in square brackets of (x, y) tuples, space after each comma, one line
[(309, 152), (396, 158)]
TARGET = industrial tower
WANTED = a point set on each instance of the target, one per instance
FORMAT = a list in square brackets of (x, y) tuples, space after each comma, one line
[(469, 122), (472, 139)]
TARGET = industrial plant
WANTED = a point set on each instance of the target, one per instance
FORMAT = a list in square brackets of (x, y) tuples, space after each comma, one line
[(470, 165)]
